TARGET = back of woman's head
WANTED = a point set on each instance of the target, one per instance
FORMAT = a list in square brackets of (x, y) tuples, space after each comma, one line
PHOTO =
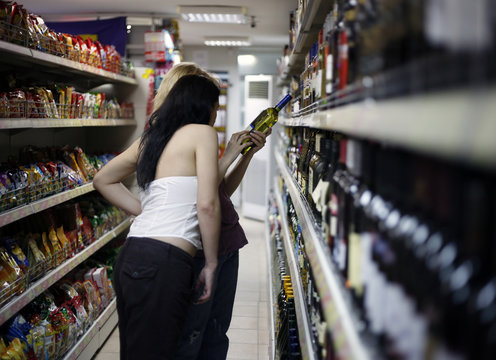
[(190, 101), (174, 74)]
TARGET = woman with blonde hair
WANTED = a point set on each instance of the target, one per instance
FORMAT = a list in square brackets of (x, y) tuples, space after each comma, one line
[(205, 331)]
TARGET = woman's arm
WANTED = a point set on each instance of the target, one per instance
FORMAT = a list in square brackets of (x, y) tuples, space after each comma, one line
[(208, 205), (108, 180), (233, 179), (234, 147)]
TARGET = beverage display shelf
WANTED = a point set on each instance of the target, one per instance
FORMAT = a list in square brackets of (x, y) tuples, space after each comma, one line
[(23, 123), (303, 320), (16, 304), (314, 17), (336, 303), (272, 295), (93, 333), (51, 61), (20, 212), (454, 125)]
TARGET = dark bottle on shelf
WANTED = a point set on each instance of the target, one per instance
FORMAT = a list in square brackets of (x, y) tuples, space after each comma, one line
[(330, 211), (317, 174), (331, 50), (338, 200)]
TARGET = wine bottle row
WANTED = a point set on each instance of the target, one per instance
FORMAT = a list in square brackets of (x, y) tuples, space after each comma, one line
[(378, 49), (413, 239), (321, 337), (287, 342)]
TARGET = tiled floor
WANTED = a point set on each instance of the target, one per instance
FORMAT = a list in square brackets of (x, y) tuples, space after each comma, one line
[(249, 333)]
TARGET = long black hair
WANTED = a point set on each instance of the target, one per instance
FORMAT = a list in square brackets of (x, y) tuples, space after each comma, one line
[(190, 101)]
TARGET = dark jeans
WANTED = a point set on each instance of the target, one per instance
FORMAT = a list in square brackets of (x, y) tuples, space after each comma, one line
[(153, 283), (204, 335)]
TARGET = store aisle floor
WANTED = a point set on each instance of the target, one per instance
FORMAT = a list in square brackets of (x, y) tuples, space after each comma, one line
[(249, 332)]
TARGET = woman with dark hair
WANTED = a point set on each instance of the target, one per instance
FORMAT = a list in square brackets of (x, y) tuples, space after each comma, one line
[(177, 171)]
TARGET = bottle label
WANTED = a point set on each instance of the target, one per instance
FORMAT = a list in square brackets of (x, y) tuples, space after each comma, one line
[(355, 263), (310, 180), (340, 255)]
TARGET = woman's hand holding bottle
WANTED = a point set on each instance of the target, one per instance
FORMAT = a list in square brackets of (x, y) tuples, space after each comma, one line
[(257, 140)]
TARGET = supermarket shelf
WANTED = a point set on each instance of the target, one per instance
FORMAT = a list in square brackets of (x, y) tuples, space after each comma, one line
[(311, 23), (55, 275), (20, 212), (335, 301), (270, 251), (50, 61), (457, 124), (302, 317), (91, 341), (23, 123)]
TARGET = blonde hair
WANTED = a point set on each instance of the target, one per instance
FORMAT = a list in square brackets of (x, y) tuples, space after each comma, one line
[(174, 74)]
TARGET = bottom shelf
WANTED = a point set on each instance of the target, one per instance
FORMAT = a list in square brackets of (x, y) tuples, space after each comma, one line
[(272, 295), (96, 335)]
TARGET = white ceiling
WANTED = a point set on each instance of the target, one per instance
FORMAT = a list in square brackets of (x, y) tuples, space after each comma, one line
[(271, 16)]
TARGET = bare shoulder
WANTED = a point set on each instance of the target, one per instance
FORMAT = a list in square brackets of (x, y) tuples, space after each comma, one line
[(199, 131)]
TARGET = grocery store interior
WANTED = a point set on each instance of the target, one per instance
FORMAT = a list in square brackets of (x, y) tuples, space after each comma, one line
[(370, 213)]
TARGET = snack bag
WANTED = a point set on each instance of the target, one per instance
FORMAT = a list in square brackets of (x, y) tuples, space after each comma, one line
[(68, 177), (84, 163), (4, 105), (51, 254), (36, 341), (62, 105), (86, 301), (17, 254), (70, 160), (68, 101), (50, 100), (35, 258), (17, 103), (65, 242), (57, 246), (49, 340), (3, 347), (101, 54), (14, 273)]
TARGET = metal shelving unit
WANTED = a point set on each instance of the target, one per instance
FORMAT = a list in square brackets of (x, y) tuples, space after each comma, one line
[(455, 125), (270, 251), (20, 212), (336, 302), (16, 304), (96, 335), (23, 123), (51, 61), (303, 320)]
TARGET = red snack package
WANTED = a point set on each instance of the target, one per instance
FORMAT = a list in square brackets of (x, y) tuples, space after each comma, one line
[(17, 103), (4, 105), (102, 54)]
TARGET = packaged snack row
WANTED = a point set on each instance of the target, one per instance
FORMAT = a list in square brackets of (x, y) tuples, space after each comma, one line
[(47, 172), (32, 247), (61, 103), (20, 27), (53, 322)]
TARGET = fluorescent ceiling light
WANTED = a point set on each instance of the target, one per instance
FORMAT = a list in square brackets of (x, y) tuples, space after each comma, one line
[(227, 41), (214, 14), (247, 60)]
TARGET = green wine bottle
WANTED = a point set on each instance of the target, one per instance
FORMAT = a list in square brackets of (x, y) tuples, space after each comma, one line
[(266, 119)]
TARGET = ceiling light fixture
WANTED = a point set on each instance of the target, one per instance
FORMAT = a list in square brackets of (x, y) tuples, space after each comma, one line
[(227, 41), (214, 14)]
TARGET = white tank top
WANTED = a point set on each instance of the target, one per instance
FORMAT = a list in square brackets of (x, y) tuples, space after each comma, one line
[(168, 209)]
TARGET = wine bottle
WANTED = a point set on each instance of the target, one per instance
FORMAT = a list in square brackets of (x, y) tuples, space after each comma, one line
[(266, 119)]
